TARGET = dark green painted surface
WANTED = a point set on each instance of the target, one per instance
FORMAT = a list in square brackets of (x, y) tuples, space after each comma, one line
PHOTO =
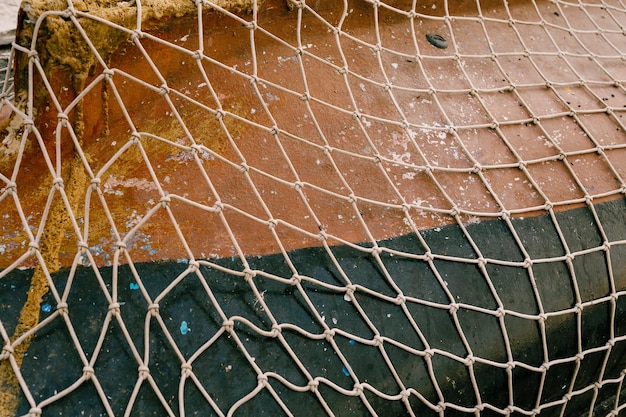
[(53, 364)]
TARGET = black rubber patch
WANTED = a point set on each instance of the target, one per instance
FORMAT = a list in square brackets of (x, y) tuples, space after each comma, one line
[(192, 316), (437, 41)]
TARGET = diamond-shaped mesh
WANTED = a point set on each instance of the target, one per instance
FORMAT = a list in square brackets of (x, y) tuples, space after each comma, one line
[(313, 208)]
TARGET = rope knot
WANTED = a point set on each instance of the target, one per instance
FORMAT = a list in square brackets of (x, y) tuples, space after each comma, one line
[(454, 307), (358, 388), (7, 351), (164, 90), (87, 372), (313, 385), (58, 183), (34, 412), (165, 201), (144, 371), (120, 245), (114, 308), (62, 308), (185, 369), (193, 265), (153, 309)]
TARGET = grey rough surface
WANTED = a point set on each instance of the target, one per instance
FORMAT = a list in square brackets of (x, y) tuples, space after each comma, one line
[(8, 15), (8, 22)]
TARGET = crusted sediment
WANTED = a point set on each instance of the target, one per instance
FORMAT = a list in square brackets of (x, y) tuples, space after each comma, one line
[(60, 41)]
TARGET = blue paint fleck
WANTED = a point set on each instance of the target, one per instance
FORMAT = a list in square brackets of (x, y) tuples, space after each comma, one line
[(134, 286), (84, 260), (345, 371), (184, 327), (46, 308), (352, 342)]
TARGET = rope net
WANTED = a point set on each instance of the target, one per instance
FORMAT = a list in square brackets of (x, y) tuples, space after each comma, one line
[(305, 209)]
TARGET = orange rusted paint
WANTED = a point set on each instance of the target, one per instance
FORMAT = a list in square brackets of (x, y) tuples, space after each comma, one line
[(129, 190)]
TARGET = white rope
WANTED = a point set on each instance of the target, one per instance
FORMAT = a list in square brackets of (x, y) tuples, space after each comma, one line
[(496, 85)]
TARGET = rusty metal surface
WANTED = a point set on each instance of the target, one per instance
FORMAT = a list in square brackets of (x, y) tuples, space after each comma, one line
[(497, 123)]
